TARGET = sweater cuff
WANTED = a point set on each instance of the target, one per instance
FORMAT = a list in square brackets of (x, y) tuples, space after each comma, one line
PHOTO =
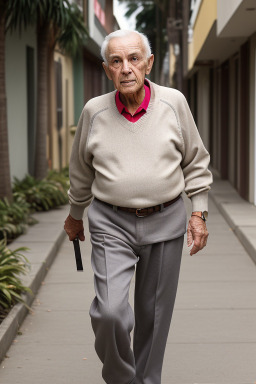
[(200, 202), (77, 211)]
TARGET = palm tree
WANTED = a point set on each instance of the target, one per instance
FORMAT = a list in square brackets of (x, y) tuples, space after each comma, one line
[(56, 21), (152, 21), (5, 178), (63, 25)]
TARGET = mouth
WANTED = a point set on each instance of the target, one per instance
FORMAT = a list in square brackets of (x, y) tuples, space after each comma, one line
[(127, 82)]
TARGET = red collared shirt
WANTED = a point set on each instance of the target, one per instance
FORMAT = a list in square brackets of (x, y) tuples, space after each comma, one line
[(140, 111)]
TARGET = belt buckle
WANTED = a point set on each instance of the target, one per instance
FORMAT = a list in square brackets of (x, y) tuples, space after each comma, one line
[(137, 213)]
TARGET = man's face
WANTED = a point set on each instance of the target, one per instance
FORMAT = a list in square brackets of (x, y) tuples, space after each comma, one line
[(127, 63)]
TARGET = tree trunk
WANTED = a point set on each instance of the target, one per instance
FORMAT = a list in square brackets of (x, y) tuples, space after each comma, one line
[(42, 101), (51, 95), (5, 178)]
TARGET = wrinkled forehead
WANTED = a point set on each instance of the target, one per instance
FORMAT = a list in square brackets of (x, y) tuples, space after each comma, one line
[(124, 45)]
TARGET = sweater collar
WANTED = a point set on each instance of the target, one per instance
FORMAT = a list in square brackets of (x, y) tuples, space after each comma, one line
[(145, 120), (144, 105)]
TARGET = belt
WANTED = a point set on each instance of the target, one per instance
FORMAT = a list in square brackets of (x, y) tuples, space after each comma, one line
[(142, 212)]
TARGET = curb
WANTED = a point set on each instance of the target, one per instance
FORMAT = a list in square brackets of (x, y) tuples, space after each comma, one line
[(245, 233), (247, 243), (14, 319)]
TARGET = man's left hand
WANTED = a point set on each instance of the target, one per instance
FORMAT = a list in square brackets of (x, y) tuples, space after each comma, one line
[(197, 233)]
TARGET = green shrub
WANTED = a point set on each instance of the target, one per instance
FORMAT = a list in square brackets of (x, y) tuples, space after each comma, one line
[(14, 218), (41, 195), (61, 177), (31, 195), (12, 265)]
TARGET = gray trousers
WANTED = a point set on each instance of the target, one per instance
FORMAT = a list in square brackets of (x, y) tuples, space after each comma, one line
[(121, 244)]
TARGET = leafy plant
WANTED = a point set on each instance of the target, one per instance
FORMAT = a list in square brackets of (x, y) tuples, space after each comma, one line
[(61, 177), (31, 195), (12, 265), (14, 218), (41, 195)]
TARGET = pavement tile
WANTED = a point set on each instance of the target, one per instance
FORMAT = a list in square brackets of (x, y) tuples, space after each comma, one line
[(54, 216), (36, 250), (209, 363), (49, 365), (216, 295), (211, 325), (75, 329), (66, 296), (233, 267), (38, 232)]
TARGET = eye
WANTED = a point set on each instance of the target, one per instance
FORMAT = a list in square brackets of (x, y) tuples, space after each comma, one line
[(135, 58), (116, 62)]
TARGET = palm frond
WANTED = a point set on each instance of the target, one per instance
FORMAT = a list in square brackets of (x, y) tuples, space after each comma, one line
[(74, 34), (20, 13)]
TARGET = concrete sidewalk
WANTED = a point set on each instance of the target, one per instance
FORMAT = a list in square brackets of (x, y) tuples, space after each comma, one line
[(43, 240), (213, 332)]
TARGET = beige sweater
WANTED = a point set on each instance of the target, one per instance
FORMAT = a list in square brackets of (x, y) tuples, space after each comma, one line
[(138, 164)]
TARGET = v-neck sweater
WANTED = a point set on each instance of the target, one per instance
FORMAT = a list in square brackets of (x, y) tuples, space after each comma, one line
[(140, 111), (138, 164)]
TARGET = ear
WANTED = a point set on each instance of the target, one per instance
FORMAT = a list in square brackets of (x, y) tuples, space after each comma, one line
[(149, 64), (106, 69)]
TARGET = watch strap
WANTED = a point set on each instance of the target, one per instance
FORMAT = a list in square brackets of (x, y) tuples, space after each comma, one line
[(201, 217)]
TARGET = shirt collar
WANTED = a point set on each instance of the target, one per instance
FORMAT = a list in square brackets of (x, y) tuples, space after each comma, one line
[(144, 105)]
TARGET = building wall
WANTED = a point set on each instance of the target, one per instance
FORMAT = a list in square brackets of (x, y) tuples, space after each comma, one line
[(63, 139), (252, 147), (78, 88), (101, 22), (206, 16), (225, 11), (96, 29), (203, 105), (172, 65), (244, 121), (16, 89), (88, 74), (226, 97), (233, 120)]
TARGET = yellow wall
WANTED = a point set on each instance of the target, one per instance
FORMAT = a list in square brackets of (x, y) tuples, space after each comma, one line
[(172, 64), (68, 112), (206, 17)]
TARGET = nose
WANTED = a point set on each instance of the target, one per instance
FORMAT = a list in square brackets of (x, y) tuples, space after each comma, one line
[(126, 67)]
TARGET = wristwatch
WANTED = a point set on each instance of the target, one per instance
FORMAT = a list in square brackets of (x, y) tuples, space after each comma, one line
[(202, 215)]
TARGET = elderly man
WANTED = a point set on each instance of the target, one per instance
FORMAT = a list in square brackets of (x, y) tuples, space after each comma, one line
[(135, 150)]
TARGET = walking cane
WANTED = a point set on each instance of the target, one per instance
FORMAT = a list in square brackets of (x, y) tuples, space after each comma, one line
[(79, 264)]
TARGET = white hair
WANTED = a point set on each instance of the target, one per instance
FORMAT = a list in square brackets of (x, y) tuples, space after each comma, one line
[(122, 33)]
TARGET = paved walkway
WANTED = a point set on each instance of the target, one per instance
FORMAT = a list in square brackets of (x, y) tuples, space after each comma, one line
[(213, 334)]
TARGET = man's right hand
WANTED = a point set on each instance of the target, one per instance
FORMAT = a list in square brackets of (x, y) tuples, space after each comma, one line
[(74, 228)]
